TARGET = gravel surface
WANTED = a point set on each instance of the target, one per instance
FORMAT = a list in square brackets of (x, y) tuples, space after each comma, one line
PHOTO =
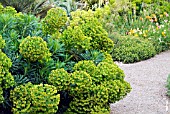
[(148, 80)]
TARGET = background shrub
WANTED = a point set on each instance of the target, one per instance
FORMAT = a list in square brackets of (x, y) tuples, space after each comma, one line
[(29, 98), (130, 49), (92, 28), (55, 19)]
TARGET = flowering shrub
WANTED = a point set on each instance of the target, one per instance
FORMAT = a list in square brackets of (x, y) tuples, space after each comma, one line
[(34, 48), (106, 71), (92, 87), (6, 79), (29, 98), (55, 19), (92, 28), (94, 101)]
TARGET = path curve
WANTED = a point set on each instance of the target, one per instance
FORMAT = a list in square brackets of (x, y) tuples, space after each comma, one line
[(148, 80)]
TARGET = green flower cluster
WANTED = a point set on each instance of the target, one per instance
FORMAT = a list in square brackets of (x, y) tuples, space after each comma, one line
[(55, 19), (95, 101), (35, 99), (74, 38), (34, 48), (7, 10), (86, 65), (92, 86), (6, 79), (92, 28), (60, 79), (80, 82), (106, 71)]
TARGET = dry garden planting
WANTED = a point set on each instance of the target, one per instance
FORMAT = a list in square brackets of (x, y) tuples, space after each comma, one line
[(65, 56)]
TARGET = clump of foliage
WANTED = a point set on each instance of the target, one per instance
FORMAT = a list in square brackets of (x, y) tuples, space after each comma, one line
[(34, 48), (8, 9), (130, 49), (55, 19), (6, 79), (96, 100), (2, 42), (29, 98), (69, 58), (92, 28), (60, 79), (74, 38), (91, 87)]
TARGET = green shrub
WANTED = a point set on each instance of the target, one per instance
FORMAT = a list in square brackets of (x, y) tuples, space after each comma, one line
[(92, 102), (91, 87), (168, 85), (80, 82), (106, 71), (92, 28), (34, 48), (117, 89), (27, 25), (37, 99), (55, 19), (86, 65), (74, 38), (60, 79), (7, 10), (130, 49), (6, 79)]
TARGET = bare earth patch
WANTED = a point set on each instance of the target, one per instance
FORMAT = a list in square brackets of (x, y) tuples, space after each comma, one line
[(148, 81)]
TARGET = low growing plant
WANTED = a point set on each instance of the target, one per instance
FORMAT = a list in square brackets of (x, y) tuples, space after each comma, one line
[(130, 49)]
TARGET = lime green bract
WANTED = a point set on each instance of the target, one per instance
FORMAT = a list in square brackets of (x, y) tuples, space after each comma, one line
[(55, 19), (39, 99), (34, 48)]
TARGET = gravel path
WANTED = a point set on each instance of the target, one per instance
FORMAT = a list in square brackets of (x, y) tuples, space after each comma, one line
[(148, 80)]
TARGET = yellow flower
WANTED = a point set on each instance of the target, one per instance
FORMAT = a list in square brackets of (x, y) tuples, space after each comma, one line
[(163, 34), (141, 18), (153, 15), (161, 16), (165, 13), (136, 35), (144, 35), (148, 17)]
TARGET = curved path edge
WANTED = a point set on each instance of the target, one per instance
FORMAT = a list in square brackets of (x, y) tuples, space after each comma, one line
[(148, 81)]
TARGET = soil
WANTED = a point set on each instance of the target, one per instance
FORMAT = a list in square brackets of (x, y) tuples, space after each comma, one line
[(148, 80)]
